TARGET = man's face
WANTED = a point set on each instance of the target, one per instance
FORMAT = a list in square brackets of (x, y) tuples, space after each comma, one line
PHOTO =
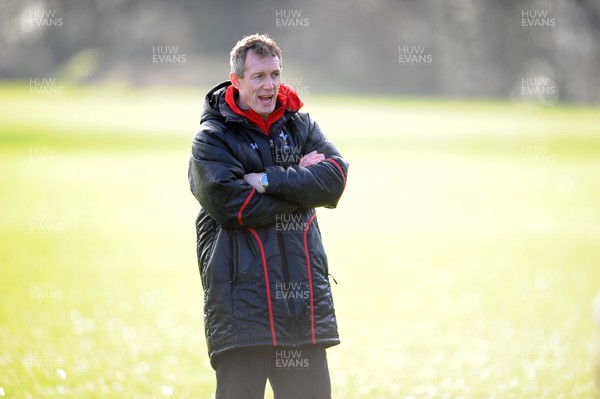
[(259, 87)]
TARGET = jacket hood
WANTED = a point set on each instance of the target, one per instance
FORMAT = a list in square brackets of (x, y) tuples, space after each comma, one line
[(216, 107)]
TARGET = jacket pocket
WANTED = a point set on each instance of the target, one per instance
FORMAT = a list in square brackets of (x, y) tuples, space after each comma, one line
[(315, 249), (205, 264), (234, 266)]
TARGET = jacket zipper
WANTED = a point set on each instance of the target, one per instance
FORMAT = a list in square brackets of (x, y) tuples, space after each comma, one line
[(284, 264), (273, 154)]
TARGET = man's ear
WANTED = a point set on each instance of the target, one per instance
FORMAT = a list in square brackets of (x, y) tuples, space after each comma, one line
[(234, 80)]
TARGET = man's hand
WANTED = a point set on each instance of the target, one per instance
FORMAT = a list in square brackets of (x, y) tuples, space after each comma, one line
[(253, 179), (312, 158)]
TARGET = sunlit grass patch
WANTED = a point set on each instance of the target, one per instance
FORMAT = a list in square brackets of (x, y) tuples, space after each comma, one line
[(465, 247)]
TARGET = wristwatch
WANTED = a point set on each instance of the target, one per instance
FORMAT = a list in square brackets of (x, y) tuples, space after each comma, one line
[(264, 181)]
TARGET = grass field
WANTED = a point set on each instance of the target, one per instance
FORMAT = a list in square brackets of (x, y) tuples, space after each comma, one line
[(466, 247)]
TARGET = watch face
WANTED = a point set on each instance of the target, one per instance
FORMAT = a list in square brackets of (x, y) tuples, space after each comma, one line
[(264, 180)]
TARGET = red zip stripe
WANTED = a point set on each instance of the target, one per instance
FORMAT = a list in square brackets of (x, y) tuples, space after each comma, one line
[(240, 221), (310, 284), (268, 286), (339, 167)]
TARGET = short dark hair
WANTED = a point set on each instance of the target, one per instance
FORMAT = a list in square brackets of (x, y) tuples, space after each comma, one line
[(261, 45)]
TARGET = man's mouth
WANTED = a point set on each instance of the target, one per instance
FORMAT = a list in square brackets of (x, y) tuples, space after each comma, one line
[(265, 99)]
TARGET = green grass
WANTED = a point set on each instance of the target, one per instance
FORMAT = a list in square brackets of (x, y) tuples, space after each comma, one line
[(465, 247)]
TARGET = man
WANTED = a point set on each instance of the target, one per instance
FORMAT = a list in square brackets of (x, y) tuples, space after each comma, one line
[(259, 168)]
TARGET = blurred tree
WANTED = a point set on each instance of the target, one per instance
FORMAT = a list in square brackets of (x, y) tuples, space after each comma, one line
[(474, 48)]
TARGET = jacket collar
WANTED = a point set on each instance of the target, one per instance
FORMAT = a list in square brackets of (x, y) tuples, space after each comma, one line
[(287, 100)]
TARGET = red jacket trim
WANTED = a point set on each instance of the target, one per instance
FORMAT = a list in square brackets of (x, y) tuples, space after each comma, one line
[(244, 205), (267, 285)]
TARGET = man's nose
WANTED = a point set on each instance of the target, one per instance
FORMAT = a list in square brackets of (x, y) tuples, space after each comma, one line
[(269, 83)]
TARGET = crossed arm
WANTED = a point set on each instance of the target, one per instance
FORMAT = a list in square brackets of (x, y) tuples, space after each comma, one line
[(235, 199), (312, 158)]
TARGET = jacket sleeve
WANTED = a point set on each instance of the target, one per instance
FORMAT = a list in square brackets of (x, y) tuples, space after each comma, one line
[(217, 181), (317, 185)]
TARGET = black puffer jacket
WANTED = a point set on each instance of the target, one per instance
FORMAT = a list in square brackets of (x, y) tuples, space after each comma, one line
[(263, 267)]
